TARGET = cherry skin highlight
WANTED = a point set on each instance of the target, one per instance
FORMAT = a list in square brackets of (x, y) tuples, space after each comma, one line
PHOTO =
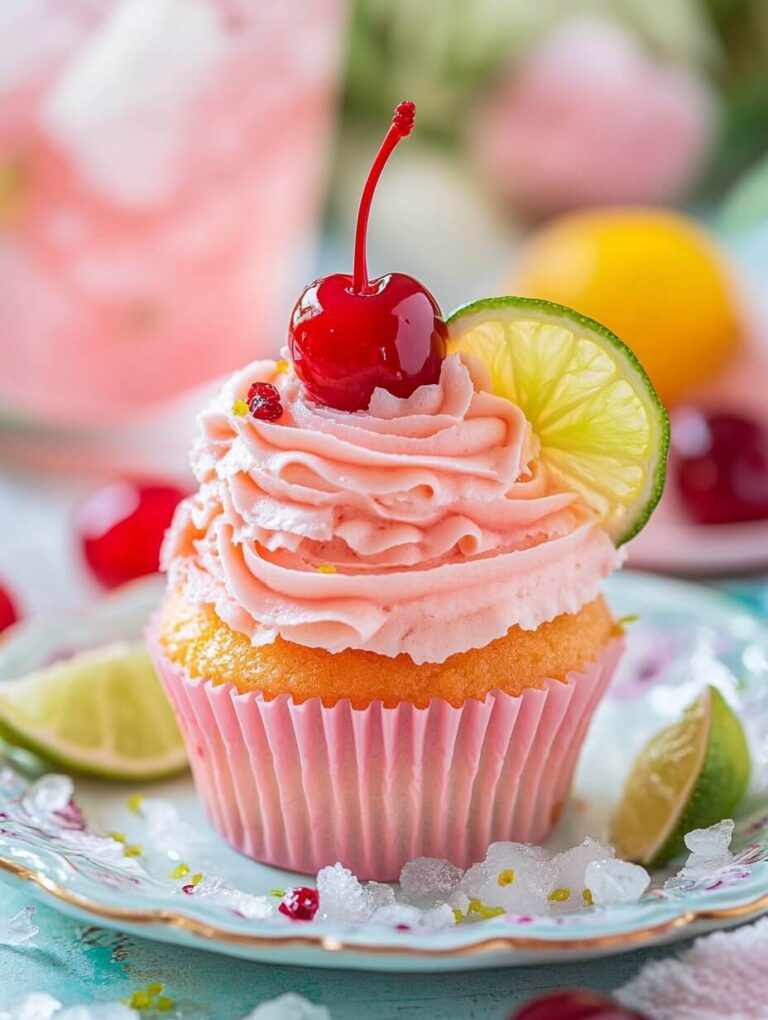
[(721, 467), (349, 335), (120, 528)]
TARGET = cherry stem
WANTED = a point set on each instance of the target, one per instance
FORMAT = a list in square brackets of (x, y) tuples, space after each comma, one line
[(402, 125)]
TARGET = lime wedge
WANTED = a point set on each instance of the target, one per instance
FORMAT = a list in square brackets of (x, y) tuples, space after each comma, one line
[(102, 712), (691, 775), (604, 432)]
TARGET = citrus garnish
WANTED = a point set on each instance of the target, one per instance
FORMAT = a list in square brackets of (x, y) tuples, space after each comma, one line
[(651, 275), (604, 433), (101, 712), (689, 776)]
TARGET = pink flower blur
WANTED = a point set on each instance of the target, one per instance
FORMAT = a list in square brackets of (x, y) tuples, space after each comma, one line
[(590, 117)]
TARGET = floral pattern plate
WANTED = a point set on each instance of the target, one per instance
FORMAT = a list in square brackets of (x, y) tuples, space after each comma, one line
[(684, 637)]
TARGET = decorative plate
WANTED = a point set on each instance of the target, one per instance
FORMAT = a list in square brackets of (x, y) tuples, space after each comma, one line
[(685, 637), (672, 542)]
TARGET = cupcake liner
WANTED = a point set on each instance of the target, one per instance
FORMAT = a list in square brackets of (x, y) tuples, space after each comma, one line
[(300, 786)]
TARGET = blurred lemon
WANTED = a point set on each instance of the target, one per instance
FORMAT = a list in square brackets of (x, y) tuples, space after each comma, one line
[(653, 277)]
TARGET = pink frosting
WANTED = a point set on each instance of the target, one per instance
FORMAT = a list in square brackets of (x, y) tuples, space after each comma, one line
[(442, 527)]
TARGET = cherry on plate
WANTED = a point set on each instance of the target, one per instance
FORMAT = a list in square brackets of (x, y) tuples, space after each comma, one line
[(300, 904), (721, 466), (120, 528), (575, 1004), (8, 611)]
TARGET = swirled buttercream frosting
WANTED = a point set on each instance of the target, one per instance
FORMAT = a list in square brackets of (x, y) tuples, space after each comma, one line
[(425, 525)]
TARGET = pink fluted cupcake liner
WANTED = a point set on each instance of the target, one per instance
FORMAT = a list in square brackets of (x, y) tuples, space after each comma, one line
[(299, 786)]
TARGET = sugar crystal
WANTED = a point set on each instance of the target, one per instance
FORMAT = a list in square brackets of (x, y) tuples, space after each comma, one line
[(37, 1006), (48, 794), (98, 1011), (288, 1007), (41, 1006), (20, 929), (712, 843), (342, 897), (254, 908), (709, 851), (380, 894), (611, 881), (513, 876), (426, 880), (441, 916)]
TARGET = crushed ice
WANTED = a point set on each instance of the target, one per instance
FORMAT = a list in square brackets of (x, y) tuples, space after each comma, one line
[(709, 851), (247, 905), (166, 830), (513, 879), (613, 881), (48, 795)]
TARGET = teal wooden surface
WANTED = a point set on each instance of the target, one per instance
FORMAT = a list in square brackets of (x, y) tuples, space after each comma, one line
[(76, 962)]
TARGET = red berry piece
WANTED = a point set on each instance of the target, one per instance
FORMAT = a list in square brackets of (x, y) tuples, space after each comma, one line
[(575, 1004), (721, 467), (121, 526), (8, 612), (264, 401), (265, 410), (300, 904), (264, 390), (349, 335)]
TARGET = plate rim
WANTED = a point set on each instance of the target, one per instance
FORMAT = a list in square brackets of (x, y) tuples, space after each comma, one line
[(177, 920)]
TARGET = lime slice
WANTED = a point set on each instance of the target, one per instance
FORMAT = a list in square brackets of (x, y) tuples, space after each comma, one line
[(604, 432), (691, 775), (102, 712)]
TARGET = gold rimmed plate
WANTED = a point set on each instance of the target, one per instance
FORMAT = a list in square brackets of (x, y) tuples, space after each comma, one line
[(685, 637)]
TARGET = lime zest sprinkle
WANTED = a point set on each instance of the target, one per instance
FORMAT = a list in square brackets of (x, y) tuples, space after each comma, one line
[(150, 997), (240, 408), (196, 878), (277, 892), (134, 850), (506, 877), (480, 909), (282, 365), (134, 803), (629, 618), (559, 895), (326, 568), (118, 837), (586, 895), (458, 916), (180, 871)]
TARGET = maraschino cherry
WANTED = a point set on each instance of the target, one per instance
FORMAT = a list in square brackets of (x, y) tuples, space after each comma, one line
[(721, 466), (349, 335), (121, 527)]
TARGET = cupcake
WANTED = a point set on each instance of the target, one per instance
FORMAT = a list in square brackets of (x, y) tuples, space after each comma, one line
[(383, 634)]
